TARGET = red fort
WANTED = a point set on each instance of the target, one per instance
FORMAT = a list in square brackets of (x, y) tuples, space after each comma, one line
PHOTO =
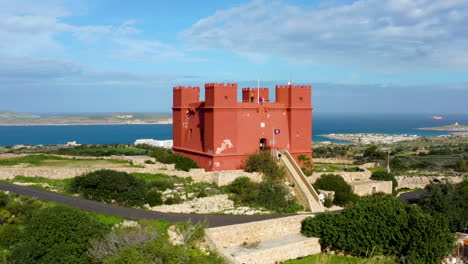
[(220, 132)]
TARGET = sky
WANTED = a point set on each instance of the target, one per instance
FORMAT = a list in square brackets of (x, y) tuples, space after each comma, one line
[(393, 56)]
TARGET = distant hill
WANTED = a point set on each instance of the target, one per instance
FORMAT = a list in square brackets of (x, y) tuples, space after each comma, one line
[(454, 127), (8, 118)]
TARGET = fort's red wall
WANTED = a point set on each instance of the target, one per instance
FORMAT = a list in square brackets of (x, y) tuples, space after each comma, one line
[(220, 132)]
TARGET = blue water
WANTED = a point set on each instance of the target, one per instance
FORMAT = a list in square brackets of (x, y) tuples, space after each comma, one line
[(322, 124)]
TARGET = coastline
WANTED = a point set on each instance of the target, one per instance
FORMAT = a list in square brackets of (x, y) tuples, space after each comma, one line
[(89, 124)]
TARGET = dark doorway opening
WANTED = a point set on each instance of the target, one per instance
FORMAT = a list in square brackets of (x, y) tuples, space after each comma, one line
[(263, 143)]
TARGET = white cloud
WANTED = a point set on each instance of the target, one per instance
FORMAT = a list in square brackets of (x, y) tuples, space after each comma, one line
[(31, 28), (374, 35)]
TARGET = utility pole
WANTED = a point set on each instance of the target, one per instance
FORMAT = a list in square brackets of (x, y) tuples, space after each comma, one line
[(388, 160)]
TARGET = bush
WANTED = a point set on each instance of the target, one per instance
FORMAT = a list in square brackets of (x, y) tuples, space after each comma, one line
[(328, 203), (173, 200), (162, 185), (398, 164), (263, 162), (58, 234), (244, 191), (275, 196), (108, 186), (166, 156), (381, 224), (461, 166), (372, 153), (3, 199), (448, 200), (385, 176), (154, 198), (343, 191)]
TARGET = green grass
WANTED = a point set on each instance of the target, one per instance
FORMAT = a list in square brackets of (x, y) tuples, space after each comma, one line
[(333, 167), (104, 151), (60, 185), (106, 219), (56, 161), (332, 259)]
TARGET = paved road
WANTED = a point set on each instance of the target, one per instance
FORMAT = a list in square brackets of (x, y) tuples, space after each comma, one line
[(131, 213)]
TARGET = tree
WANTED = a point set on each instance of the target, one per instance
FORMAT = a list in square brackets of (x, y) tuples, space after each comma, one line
[(372, 153), (58, 234), (382, 224), (343, 192), (385, 176), (446, 199)]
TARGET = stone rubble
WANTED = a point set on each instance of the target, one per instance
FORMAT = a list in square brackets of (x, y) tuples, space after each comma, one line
[(206, 205)]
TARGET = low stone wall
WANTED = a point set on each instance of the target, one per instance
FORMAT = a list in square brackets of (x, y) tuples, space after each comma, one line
[(220, 178), (347, 176), (412, 182), (235, 235), (333, 160), (370, 186)]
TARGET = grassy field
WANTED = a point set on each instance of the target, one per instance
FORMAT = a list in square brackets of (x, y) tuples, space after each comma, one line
[(79, 151), (55, 161), (332, 259), (333, 167)]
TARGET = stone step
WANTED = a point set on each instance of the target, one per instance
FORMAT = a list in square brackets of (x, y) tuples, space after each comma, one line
[(274, 251)]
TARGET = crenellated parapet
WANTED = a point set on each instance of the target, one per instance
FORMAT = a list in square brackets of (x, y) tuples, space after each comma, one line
[(220, 94), (294, 95), (252, 95), (185, 95)]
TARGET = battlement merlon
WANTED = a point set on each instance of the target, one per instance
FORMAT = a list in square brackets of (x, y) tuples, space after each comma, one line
[(185, 95), (294, 95), (220, 94)]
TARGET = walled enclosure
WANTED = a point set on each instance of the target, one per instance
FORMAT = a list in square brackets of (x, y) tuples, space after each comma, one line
[(220, 132)]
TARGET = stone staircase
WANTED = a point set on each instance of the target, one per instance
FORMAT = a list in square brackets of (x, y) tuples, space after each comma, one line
[(262, 242), (305, 193)]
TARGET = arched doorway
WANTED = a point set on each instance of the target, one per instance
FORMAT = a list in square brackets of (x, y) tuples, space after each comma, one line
[(263, 144)]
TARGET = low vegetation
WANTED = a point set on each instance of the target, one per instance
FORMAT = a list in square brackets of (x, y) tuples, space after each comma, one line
[(57, 161), (263, 162), (382, 225), (273, 196), (449, 200), (334, 259), (32, 231), (343, 192), (100, 150), (167, 156)]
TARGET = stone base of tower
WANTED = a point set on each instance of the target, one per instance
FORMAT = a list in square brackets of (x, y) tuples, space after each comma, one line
[(214, 162), (224, 162)]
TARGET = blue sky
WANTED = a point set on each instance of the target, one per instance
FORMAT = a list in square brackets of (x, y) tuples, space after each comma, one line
[(108, 56)]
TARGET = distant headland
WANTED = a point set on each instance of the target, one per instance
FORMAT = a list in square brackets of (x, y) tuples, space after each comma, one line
[(8, 118), (454, 127)]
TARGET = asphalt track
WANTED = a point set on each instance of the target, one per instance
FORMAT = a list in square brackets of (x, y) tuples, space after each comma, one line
[(132, 213)]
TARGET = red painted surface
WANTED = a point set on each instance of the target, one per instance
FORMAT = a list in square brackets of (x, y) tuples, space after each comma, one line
[(220, 132)]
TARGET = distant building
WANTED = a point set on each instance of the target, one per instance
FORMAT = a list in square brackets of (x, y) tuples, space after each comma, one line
[(220, 132), (72, 143), (155, 143)]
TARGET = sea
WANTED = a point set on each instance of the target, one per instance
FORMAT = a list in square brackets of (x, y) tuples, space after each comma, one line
[(323, 123)]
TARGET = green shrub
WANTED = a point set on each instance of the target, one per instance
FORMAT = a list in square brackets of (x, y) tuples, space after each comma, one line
[(275, 196), (385, 176), (166, 156), (108, 186), (448, 200), (57, 234), (381, 224), (464, 189), (328, 203), (244, 191), (398, 164), (461, 166), (154, 198), (162, 184), (343, 191), (3, 199), (263, 162), (173, 200)]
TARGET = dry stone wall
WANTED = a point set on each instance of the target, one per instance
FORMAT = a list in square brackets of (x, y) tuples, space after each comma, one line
[(347, 176), (412, 182), (198, 175)]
